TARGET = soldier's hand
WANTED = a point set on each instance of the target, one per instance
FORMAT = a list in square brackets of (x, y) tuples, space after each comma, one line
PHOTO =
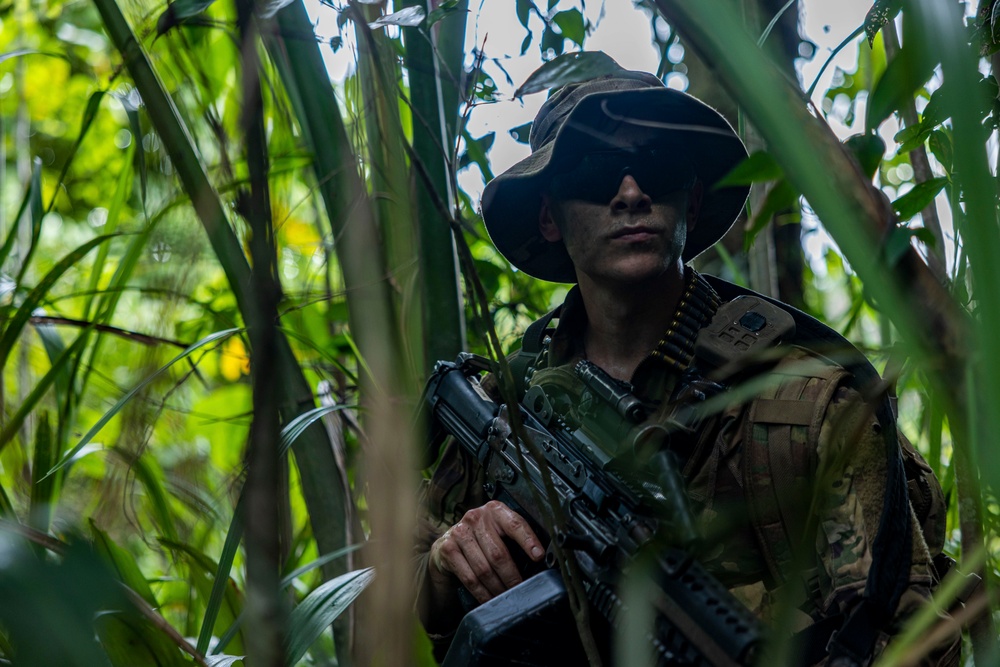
[(473, 551)]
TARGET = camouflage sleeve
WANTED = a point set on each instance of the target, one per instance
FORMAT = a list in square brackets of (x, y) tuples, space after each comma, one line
[(455, 487), (850, 486)]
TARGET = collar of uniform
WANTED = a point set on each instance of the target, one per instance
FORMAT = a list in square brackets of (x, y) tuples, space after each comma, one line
[(657, 373)]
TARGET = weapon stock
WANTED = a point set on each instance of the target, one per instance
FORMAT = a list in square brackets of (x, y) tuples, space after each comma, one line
[(609, 519)]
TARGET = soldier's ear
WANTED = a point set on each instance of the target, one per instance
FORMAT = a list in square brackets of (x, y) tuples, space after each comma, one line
[(547, 226), (694, 204)]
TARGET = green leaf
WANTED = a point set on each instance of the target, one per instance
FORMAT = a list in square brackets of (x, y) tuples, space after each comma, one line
[(780, 198), (223, 660), (40, 292), (917, 199), (551, 41), (89, 114), (36, 212), (221, 581), (908, 71), (572, 25), (881, 13), (130, 101), (868, 150), (758, 167), (123, 564), (68, 457), (898, 242), (521, 133), (298, 426), (32, 52), (444, 10), (523, 10), (49, 606), (567, 69), (476, 151), (526, 42), (407, 17), (42, 490), (289, 578), (132, 641), (942, 148), (911, 137), (315, 613), (30, 402), (267, 10), (203, 571), (177, 12), (147, 471)]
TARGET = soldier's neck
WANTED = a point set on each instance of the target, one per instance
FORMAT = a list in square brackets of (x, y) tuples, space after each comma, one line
[(625, 323)]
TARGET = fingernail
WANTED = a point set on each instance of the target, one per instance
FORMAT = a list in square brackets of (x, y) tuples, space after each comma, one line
[(537, 552)]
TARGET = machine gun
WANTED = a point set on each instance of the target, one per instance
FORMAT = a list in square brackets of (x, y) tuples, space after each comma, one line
[(611, 515)]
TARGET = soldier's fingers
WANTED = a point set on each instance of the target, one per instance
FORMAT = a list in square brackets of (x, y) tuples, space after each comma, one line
[(515, 527), (498, 556), (481, 568), (463, 572)]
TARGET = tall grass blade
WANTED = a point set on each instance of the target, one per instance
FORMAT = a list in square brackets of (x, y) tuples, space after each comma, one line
[(41, 386), (42, 489), (207, 340), (122, 564), (147, 471), (89, 114), (203, 570), (31, 196), (41, 291), (221, 579), (315, 614), (295, 428), (130, 640)]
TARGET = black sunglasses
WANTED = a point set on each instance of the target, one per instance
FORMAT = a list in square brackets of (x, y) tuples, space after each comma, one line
[(598, 175)]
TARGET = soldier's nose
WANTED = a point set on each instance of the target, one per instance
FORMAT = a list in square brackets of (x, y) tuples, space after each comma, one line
[(630, 196)]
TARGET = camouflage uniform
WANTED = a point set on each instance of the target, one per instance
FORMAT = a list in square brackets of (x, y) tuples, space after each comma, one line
[(841, 498)]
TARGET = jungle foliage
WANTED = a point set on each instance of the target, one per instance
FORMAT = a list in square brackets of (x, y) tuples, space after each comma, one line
[(223, 278)]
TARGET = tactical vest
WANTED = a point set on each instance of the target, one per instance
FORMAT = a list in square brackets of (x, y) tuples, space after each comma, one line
[(780, 444)]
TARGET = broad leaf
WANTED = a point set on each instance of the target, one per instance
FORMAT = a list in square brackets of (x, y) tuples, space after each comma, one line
[(758, 167), (223, 660), (477, 152), (521, 133), (444, 10), (898, 242), (572, 25), (908, 71), (942, 148), (567, 69), (780, 198), (523, 10), (178, 12), (131, 640), (407, 18), (123, 564), (315, 614), (881, 13), (868, 150), (918, 198)]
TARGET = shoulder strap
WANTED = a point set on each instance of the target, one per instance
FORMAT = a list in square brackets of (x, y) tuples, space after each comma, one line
[(779, 454), (892, 548), (532, 343)]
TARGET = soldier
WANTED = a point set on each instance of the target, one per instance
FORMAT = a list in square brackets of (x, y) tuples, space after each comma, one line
[(617, 196)]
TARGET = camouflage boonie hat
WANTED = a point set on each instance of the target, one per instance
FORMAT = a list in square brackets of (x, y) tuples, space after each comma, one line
[(620, 110)]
